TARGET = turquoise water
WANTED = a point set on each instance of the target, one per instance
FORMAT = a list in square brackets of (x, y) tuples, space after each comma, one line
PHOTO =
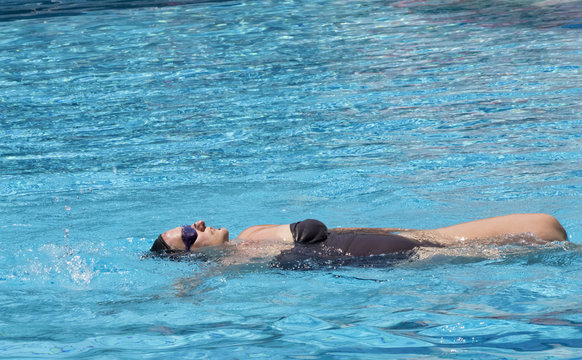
[(122, 120)]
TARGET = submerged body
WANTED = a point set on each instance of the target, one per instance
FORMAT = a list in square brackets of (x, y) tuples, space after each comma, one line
[(268, 241)]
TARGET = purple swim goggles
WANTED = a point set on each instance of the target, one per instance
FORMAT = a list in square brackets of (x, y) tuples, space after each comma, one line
[(189, 236)]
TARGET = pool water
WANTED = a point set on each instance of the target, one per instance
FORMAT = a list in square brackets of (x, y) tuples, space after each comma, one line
[(123, 119)]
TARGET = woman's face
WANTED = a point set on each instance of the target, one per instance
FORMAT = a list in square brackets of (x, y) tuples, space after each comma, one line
[(207, 236)]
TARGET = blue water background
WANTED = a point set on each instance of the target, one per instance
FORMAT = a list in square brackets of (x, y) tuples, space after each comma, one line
[(123, 119)]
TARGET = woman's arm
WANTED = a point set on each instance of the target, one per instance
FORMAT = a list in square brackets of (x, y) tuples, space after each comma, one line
[(379, 231)]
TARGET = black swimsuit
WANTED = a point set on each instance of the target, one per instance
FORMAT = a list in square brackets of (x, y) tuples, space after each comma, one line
[(354, 243), (314, 243)]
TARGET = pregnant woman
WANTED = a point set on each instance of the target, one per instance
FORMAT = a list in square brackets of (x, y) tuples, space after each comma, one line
[(265, 241)]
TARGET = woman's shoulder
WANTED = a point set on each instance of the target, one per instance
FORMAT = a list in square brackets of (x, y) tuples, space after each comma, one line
[(267, 232), (305, 231)]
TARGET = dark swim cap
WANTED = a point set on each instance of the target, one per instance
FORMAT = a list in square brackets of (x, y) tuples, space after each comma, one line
[(160, 245), (189, 237)]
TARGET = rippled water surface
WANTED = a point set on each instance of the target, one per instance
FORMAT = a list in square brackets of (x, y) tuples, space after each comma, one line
[(119, 119)]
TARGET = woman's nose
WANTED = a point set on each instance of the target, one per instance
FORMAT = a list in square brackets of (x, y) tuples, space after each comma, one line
[(200, 225)]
